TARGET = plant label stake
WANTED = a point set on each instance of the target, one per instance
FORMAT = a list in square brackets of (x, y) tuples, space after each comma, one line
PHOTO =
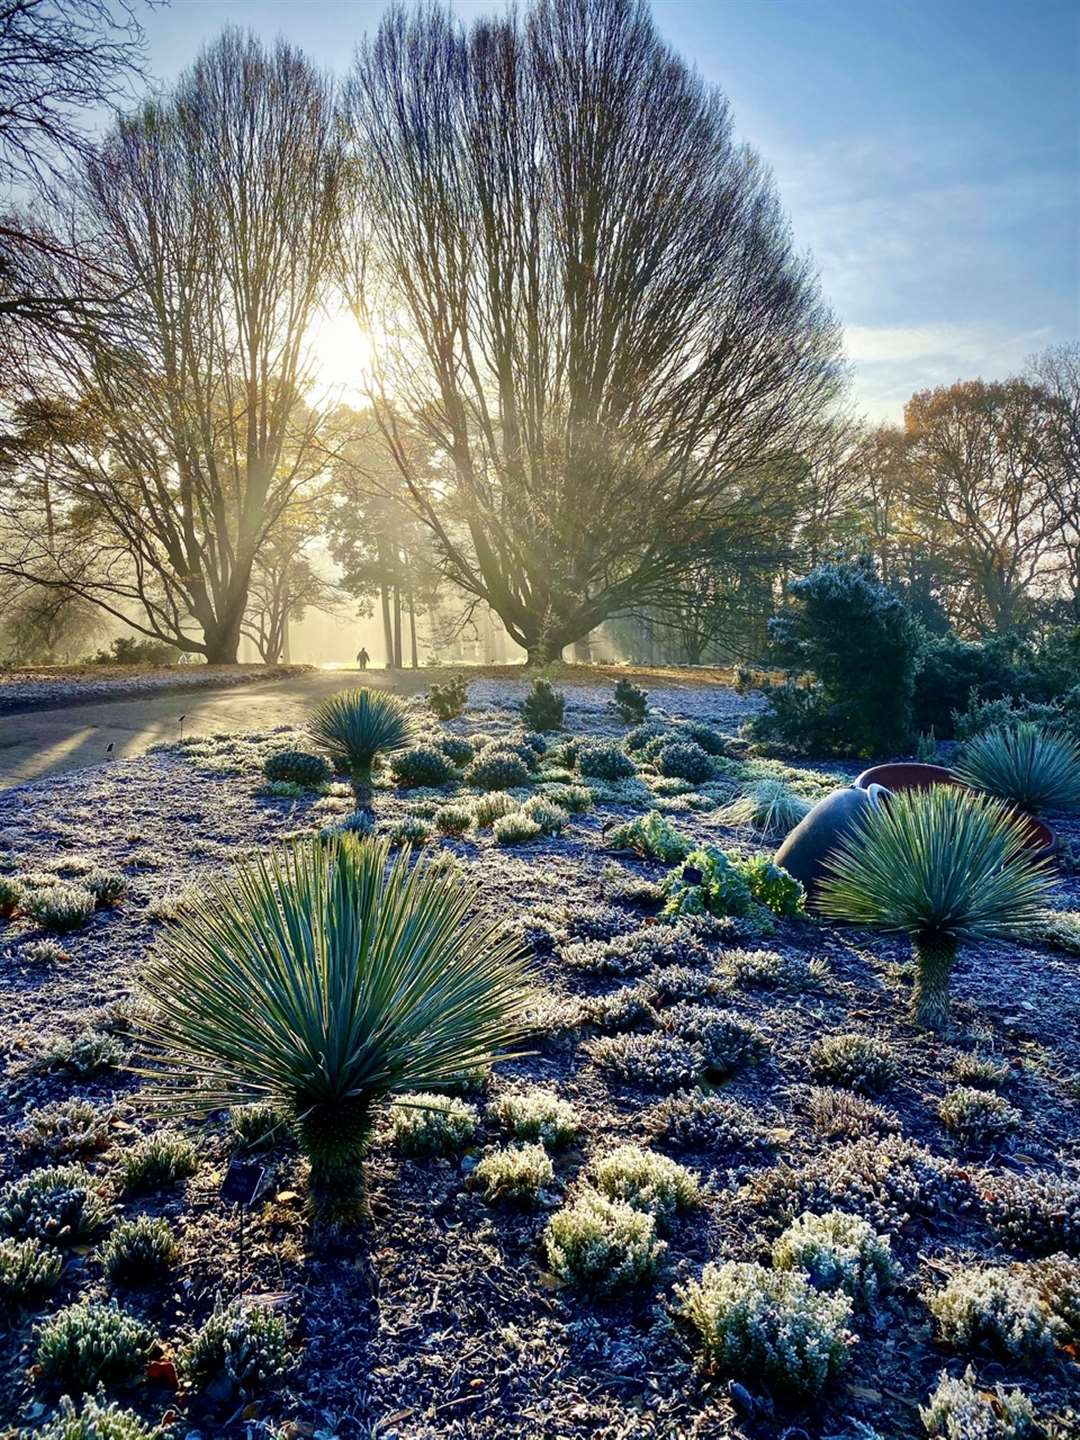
[(241, 1187)]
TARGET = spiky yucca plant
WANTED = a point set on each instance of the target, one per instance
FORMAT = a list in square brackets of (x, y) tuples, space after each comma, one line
[(945, 866), (357, 726), (324, 980), (1036, 769)]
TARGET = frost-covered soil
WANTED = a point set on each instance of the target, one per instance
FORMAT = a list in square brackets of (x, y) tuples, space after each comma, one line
[(49, 688), (442, 1320)]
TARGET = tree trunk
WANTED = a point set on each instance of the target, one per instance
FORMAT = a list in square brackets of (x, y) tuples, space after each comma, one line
[(397, 628), (935, 956), (335, 1139), (388, 634), (414, 657)]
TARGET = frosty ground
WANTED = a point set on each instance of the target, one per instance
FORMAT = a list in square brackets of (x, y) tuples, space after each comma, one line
[(442, 1320)]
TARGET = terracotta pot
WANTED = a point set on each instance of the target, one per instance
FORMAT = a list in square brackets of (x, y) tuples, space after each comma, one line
[(902, 776)]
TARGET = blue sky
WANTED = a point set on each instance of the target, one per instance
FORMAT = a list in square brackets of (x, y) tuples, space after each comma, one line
[(928, 155)]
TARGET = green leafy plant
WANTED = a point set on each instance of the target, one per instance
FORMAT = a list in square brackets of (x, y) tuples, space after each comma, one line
[(1032, 767), (324, 980), (944, 866), (66, 1128), (86, 1054), (772, 886), (551, 818), (543, 708), (298, 767), (977, 1117), (108, 887), (139, 1250), (652, 835), (453, 819), (11, 896), (602, 1245), (90, 1343), (357, 726), (767, 1325), (488, 808), (448, 701), (28, 1270), (260, 1125), (248, 1347), (631, 702)]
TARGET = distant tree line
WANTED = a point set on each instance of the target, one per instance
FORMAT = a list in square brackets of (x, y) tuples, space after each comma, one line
[(606, 391)]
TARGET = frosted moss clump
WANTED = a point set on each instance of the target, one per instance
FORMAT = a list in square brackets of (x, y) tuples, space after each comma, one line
[(682, 982), (840, 1114), (993, 1305), (1057, 1279), (960, 1410), (430, 1124), (544, 812), (646, 1181), (602, 1245), (767, 1325), (660, 1062), (838, 1252), (539, 1115), (861, 1062), (516, 1175), (453, 819), (61, 1204)]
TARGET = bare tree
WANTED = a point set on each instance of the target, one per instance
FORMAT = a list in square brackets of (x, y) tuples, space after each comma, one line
[(1057, 373), (982, 474), (61, 63), (611, 340), (218, 207)]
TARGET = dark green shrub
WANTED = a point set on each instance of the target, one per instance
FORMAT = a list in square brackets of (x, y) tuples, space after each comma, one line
[(128, 650), (448, 701), (457, 749), (543, 708), (631, 702), (88, 1343), (108, 887), (11, 896), (604, 760), (421, 765), (954, 673), (497, 770), (643, 735), (684, 760), (711, 740), (857, 641), (297, 767)]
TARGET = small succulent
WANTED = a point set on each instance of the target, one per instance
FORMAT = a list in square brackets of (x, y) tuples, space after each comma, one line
[(139, 1250), (694, 1120), (248, 1347), (958, 1409), (155, 1161), (658, 1062), (62, 1205), (1057, 1279), (860, 1062), (725, 1040), (28, 1271), (66, 1128), (86, 1054), (646, 1181), (89, 1343), (840, 1114)]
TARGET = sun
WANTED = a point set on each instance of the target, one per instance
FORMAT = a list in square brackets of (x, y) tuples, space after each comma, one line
[(341, 357)]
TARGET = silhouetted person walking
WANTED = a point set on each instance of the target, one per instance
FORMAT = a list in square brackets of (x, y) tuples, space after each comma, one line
[(362, 658)]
